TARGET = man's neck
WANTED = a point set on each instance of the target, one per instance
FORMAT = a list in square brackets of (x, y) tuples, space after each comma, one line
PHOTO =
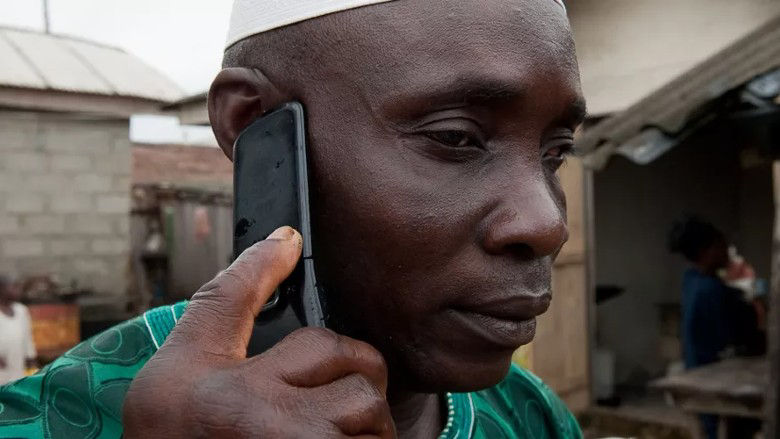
[(416, 415)]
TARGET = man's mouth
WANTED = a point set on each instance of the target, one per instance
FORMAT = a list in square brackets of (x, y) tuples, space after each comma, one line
[(508, 322)]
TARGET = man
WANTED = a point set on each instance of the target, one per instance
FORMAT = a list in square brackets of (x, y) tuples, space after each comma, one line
[(714, 315), (17, 350), (435, 131)]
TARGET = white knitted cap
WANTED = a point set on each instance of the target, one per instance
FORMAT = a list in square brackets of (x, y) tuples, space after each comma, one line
[(251, 17)]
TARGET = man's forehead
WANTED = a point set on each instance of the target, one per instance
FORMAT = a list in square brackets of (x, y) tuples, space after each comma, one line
[(420, 54), (252, 17), (440, 41)]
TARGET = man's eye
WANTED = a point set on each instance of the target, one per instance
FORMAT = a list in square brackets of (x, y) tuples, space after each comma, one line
[(559, 151), (456, 139)]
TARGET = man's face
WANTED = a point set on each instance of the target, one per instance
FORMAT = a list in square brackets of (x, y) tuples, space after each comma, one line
[(436, 128)]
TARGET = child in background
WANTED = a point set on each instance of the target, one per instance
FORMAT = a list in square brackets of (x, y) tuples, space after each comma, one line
[(17, 350)]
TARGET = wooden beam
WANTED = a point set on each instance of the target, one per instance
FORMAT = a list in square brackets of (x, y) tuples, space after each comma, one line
[(50, 100), (194, 113), (773, 336), (192, 110)]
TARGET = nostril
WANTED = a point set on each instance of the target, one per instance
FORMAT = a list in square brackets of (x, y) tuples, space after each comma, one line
[(520, 251)]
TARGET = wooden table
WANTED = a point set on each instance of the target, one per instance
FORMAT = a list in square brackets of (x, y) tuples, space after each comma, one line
[(734, 387)]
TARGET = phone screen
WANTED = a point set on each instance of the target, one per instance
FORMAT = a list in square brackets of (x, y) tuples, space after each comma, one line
[(265, 180), (271, 191)]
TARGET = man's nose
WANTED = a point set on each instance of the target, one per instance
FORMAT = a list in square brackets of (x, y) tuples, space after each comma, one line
[(529, 223)]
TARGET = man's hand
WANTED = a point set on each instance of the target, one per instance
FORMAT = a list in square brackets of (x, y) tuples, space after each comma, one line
[(314, 383)]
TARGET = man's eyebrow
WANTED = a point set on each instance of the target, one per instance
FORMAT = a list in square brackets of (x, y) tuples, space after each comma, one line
[(471, 91), (577, 111), (476, 91)]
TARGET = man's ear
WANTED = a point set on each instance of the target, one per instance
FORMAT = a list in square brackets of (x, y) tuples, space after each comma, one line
[(237, 97)]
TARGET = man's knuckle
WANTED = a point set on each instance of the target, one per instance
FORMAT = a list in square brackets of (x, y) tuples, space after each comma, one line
[(319, 338), (377, 405), (371, 359), (354, 349), (235, 278), (209, 304), (375, 360), (263, 255), (209, 296), (366, 389)]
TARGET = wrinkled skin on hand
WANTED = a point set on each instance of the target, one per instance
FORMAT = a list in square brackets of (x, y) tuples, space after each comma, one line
[(313, 384)]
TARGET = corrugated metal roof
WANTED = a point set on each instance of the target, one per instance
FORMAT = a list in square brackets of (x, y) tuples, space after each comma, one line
[(41, 61), (627, 49), (669, 110)]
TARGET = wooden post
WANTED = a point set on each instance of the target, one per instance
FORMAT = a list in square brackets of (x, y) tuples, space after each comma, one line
[(560, 353), (773, 336)]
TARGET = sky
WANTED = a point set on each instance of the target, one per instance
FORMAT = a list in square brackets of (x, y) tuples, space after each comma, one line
[(181, 38)]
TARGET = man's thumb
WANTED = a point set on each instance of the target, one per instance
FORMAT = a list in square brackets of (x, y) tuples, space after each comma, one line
[(220, 316)]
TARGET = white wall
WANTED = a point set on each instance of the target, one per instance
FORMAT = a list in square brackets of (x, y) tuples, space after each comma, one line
[(65, 199), (629, 48)]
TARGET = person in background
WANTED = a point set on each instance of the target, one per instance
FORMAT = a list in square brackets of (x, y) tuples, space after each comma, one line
[(17, 350), (714, 315)]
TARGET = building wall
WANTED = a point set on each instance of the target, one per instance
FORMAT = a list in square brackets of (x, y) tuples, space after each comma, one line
[(634, 208), (629, 48), (65, 199), (196, 255), (755, 228)]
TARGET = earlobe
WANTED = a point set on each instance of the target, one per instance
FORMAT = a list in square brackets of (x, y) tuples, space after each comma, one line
[(237, 97)]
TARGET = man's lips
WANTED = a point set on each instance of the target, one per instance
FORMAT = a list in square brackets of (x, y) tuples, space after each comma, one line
[(507, 322), (517, 308)]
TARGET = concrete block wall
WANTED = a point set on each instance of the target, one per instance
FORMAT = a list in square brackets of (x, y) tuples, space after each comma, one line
[(65, 199)]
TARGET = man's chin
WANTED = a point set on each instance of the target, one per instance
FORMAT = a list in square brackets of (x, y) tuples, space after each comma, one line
[(459, 373)]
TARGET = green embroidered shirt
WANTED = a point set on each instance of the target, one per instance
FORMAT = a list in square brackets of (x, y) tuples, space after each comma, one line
[(80, 395)]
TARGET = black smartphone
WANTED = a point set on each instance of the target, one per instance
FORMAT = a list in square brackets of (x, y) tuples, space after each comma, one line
[(271, 189)]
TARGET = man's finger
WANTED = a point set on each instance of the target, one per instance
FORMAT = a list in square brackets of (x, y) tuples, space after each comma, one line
[(356, 407), (312, 357), (220, 316)]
